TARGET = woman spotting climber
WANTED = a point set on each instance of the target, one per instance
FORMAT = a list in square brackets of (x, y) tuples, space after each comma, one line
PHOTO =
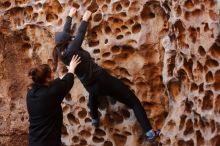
[(44, 104), (94, 78)]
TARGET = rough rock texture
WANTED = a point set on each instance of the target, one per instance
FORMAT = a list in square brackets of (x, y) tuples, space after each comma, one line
[(166, 51)]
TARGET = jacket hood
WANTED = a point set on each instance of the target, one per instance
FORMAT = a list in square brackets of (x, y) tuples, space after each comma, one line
[(62, 37)]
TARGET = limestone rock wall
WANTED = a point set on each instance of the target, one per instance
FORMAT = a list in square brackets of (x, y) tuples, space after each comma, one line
[(165, 51), (190, 73)]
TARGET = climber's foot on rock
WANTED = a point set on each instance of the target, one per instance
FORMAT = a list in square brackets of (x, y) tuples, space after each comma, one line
[(152, 135), (95, 123)]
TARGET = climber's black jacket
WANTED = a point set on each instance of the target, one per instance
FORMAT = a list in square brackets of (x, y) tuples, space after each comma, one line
[(45, 112), (87, 71)]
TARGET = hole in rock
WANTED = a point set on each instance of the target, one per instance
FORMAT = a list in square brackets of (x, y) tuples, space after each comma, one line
[(87, 120), (82, 114), (108, 30), (104, 8), (75, 139), (188, 105), (211, 63), (207, 103), (117, 117), (189, 127), (97, 17), (119, 139), (117, 6), (199, 138), (73, 4), (193, 34), (83, 142), (123, 14), (127, 49), (201, 88), (182, 121), (212, 123), (115, 49), (68, 97), (215, 51), (65, 109), (188, 4), (97, 139), (130, 22), (201, 51), (64, 130), (124, 27), (25, 47), (96, 51), (119, 37), (5, 5), (85, 133), (108, 143), (117, 30), (106, 41), (92, 35), (179, 11), (107, 54), (108, 64), (93, 43), (146, 12), (185, 143), (51, 17), (99, 132), (72, 119), (136, 28), (93, 6), (125, 3), (194, 87), (217, 103), (127, 33), (82, 99), (209, 77)]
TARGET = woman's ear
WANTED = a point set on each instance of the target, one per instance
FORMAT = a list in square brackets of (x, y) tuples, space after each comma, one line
[(55, 59), (51, 63)]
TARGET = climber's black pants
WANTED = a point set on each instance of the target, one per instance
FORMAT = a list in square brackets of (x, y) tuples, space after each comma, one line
[(107, 85)]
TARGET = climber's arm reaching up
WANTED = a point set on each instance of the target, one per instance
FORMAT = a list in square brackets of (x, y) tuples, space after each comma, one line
[(69, 18)]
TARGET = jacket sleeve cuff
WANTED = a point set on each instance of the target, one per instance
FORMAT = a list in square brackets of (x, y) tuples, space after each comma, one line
[(69, 76), (68, 17)]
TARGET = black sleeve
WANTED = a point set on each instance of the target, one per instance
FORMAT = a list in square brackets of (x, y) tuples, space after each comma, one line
[(67, 24), (61, 87), (77, 42), (80, 35)]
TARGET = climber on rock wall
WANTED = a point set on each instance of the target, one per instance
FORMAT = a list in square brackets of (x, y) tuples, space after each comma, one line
[(44, 99), (94, 78)]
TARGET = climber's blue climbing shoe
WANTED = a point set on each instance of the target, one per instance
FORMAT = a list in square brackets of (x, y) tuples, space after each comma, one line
[(152, 135), (95, 123)]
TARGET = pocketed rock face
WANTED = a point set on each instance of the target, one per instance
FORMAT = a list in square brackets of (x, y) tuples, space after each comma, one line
[(166, 52), (190, 73)]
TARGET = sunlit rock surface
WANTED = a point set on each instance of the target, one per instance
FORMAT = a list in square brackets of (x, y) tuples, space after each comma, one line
[(166, 51)]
